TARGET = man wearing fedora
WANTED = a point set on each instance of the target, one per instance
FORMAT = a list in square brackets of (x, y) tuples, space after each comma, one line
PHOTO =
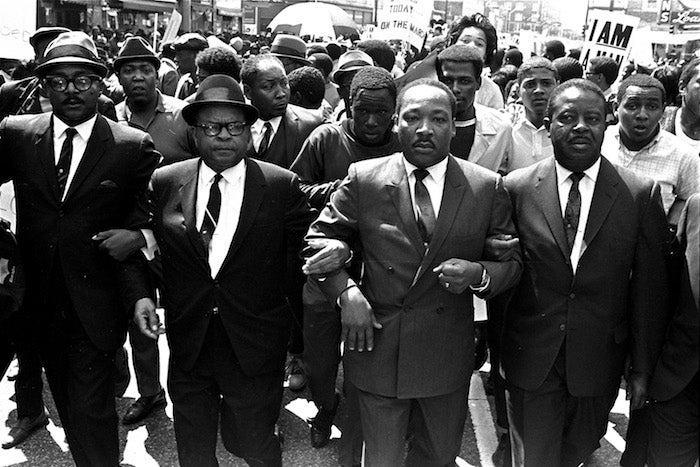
[(186, 48), (348, 65), (228, 317), (277, 136), (76, 174), (291, 51)]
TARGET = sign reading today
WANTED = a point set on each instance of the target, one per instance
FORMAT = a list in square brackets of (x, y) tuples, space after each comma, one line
[(407, 20), (17, 24), (610, 34)]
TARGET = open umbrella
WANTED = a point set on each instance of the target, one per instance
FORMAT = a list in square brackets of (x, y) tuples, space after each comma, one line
[(314, 19)]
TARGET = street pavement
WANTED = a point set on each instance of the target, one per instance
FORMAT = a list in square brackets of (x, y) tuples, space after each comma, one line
[(151, 443)]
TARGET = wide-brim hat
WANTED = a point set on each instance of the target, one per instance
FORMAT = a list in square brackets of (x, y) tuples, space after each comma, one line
[(352, 60), (190, 41), (47, 32), (288, 46), (136, 49), (71, 48), (219, 89)]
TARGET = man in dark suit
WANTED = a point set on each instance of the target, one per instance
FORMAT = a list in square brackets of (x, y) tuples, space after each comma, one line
[(594, 289), (421, 219), (674, 388), (75, 174), (225, 305), (277, 136)]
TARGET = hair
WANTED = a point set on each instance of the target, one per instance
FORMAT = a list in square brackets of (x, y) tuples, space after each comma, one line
[(461, 53), (533, 63), (309, 83), (322, 62), (427, 82), (220, 60), (607, 66), (316, 49), (643, 81), (689, 71), (374, 78), (251, 67), (503, 76), (554, 49), (380, 51), (669, 76), (477, 20), (575, 53), (334, 50), (579, 83), (568, 68), (513, 57)]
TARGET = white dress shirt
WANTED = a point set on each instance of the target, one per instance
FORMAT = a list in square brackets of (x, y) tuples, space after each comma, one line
[(79, 144), (434, 183), (231, 187), (586, 186), (257, 129)]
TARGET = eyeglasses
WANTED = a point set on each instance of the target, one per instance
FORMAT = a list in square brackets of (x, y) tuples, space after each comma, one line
[(81, 82), (213, 128)]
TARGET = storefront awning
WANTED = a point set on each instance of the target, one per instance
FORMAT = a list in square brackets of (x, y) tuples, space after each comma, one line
[(230, 11), (149, 5)]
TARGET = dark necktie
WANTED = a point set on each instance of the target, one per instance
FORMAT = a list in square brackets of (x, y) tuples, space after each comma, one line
[(426, 214), (63, 165), (265, 142), (573, 209), (211, 215)]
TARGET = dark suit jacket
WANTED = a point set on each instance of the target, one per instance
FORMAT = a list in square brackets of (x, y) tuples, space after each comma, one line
[(426, 347), (615, 305), (678, 363), (21, 97), (107, 192), (248, 292), (295, 127)]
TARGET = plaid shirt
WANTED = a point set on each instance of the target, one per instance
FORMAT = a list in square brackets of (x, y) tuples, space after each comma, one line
[(666, 159)]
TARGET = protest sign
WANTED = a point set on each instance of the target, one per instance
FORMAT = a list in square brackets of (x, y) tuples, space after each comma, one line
[(608, 33), (17, 24), (407, 20)]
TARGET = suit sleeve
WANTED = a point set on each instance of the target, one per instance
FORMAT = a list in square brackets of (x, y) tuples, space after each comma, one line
[(649, 290), (505, 274), (5, 171), (309, 167)]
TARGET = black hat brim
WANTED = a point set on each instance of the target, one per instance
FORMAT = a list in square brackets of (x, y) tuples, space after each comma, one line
[(44, 68), (189, 112), (119, 61)]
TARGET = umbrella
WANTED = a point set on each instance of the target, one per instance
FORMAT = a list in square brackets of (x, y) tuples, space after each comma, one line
[(314, 19)]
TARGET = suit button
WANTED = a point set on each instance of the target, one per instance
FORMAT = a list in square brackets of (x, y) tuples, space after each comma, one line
[(562, 327), (390, 269), (572, 296), (215, 310), (60, 213)]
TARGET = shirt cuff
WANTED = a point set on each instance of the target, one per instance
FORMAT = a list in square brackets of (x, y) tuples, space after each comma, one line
[(485, 282), (149, 251)]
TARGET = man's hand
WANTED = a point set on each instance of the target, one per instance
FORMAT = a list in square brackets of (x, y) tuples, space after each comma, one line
[(147, 319), (331, 256), (637, 384), (458, 274), (501, 247), (358, 320), (120, 243)]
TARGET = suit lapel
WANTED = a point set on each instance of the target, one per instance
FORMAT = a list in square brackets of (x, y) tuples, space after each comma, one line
[(453, 193), (401, 197), (95, 149), (252, 197), (548, 199), (45, 153), (604, 196), (188, 203)]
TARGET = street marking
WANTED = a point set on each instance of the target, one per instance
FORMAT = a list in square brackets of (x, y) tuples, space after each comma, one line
[(58, 435), (482, 421), (614, 438), (135, 452), (305, 409)]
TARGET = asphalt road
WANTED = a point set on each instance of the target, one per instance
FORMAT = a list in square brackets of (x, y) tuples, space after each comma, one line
[(151, 443)]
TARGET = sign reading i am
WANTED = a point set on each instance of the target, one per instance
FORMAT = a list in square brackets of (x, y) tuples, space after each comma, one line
[(609, 34)]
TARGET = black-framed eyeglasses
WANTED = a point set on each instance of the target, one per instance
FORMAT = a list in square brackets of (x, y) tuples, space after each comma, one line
[(81, 82), (214, 128)]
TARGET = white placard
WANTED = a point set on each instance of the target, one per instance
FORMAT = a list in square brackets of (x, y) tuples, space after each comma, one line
[(609, 33), (17, 24), (407, 20)]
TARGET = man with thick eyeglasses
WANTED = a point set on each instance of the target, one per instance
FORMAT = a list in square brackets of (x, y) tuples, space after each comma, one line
[(226, 225), (76, 174)]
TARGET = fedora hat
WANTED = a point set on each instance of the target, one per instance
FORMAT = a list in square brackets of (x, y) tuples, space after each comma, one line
[(352, 60), (47, 32), (71, 48), (288, 46), (219, 89), (190, 41), (136, 49)]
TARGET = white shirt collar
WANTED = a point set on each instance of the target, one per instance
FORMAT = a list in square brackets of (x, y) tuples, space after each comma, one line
[(84, 129), (259, 124), (437, 171), (564, 173), (231, 175)]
